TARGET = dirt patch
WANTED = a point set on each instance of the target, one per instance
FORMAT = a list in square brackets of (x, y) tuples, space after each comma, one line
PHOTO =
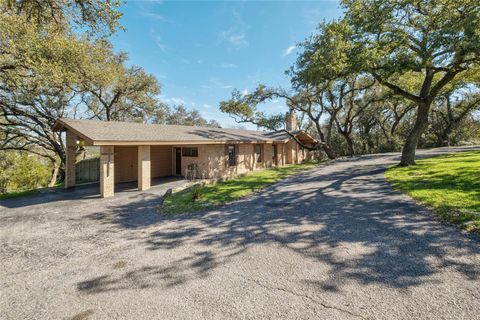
[(84, 315), (120, 265)]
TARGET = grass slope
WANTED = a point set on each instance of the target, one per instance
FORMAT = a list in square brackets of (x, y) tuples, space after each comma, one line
[(24, 193), (229, 190), (17, 194), (450, 184)]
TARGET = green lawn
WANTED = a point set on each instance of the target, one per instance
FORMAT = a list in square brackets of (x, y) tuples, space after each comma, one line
[(229, 190), (23, 193), (450, 184), (17, 194)]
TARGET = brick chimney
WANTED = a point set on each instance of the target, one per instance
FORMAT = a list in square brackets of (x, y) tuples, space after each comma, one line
[(291, 122)]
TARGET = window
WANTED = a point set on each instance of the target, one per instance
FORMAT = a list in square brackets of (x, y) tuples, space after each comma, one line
[(258, 152), (190, 152), (232, 159), (274, 153)]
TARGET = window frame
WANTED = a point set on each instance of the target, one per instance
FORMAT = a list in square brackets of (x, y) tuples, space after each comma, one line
[(193, 154), (258, 155), (232, 161), (274, 153)]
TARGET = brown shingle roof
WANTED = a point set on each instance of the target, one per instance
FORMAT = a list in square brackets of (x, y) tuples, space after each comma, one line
[(99, 132)]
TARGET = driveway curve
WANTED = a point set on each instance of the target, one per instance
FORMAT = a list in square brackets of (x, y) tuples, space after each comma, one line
[(335, 242)]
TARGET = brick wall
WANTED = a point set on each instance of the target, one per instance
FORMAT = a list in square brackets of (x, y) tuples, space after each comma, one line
[(161, 161), (212, 160)]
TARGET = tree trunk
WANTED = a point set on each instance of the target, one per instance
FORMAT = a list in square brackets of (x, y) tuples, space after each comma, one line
[(53, 178), (445, 135), (329, 151), (325, 141), (349, 141), (410, 146)]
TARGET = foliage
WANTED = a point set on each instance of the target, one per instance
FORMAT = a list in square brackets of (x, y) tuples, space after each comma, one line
[(96, 18), (374, 76), (114, 92), (20, 171), (17, 194), (197, 198), (244, 107), (454, 111), (45, 50), (179, 115), (309, 102), (424, 44), (56, 62), (450, 184), (196, 192)]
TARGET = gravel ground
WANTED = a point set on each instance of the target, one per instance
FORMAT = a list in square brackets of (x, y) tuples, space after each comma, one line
[(332, 243)]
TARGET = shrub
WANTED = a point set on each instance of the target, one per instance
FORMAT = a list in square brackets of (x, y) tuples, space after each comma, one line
[(22, 171), (196, 192)]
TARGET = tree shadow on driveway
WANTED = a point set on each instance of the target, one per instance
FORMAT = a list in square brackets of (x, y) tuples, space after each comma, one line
[(348, 219)]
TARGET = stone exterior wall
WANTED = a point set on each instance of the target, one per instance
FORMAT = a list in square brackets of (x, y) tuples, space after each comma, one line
[(161, 161), (144, 168), (289, 152), (268, 161), (212, 160), (107, 171), (71, 149), (296, 154)]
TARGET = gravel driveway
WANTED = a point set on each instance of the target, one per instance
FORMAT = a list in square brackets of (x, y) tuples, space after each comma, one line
[(331, 243)]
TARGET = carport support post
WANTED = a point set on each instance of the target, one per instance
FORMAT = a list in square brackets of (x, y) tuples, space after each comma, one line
[(107, 167), (70, 159), (144, 167)]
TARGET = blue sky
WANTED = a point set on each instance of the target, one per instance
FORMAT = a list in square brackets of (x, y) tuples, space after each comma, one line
[(200, 51)]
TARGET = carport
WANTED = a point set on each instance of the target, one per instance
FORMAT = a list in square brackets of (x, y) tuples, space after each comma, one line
[(120, 164), (120, 161)]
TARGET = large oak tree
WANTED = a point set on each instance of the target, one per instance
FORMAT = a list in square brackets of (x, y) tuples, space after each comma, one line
[(434, 41), (415, 48)]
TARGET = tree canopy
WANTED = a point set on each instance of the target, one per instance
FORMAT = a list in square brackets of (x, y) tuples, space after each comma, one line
[(411, 51), (56, 61)]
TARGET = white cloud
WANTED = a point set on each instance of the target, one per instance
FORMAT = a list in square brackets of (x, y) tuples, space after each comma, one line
[(207, 106), (245, 92), (228, 65), (174, 100), (237, 40), (219, 84), (153, 1), (158, 41), (153, 15), (185, 60), (236, 35), (289, 50)]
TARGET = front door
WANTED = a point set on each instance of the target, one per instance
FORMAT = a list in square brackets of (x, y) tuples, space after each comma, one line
[(178, 161)]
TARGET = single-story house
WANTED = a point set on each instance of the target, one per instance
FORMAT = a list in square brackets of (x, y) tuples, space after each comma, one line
[(132, 151)]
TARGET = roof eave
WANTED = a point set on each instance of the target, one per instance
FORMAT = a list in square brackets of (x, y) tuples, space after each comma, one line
[(177, 142), (305, 133), (58, 126), (62, 126)]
